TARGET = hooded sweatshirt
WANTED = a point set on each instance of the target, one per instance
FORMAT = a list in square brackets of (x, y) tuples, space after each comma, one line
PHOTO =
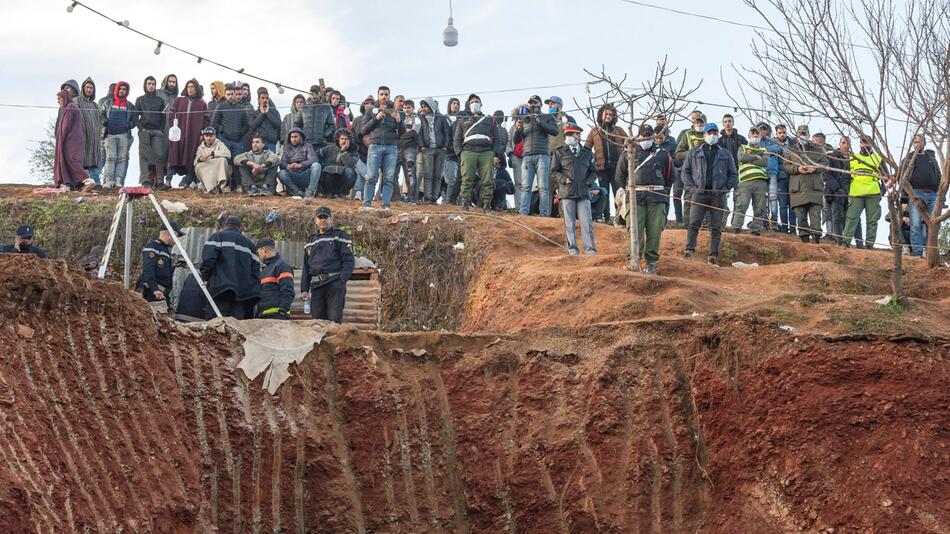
[(150, 109), (291, 119), (213, 103), (302, 153), (91, 124), (166, 94), (118, 116), (435, 130)]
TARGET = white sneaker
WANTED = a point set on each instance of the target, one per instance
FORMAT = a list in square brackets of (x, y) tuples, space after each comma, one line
[(358, 195)]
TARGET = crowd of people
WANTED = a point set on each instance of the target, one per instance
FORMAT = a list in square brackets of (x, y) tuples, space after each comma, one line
[(793, 183)]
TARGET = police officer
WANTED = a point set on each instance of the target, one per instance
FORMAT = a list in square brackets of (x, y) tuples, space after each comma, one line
[(328, 265), (157, 269), (231, 269), (277, 282), (23, 244)]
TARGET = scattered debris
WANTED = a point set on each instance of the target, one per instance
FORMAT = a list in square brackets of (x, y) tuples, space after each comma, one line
[(396, 219), (432, 285), (743, 265), (456, 218), (271, 216), (459, 246), (787, 328), (80, 199), (174, 206), (883, 301)]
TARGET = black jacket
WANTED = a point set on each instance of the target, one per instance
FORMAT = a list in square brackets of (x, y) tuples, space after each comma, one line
[(658, 171), (150, 111), (732, 142), (331, 156), (267, 125), (8, 249), (385, 131), (536, 134), (925, 175), (580, 169), (316, 121), (191, 300), (230, 121), (837, 180), (229, 263), (277, 288), (157, 268), (443, 132), (326, 254), (477, 133)]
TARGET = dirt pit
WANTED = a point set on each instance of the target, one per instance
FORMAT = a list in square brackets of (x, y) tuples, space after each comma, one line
[(115, 421)]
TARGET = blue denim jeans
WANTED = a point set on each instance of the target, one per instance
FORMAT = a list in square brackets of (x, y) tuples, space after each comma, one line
[(306, 179), (380, 157), (535, 165), (918, 230), (452, 178)]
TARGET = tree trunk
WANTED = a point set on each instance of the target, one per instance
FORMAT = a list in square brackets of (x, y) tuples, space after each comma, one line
[(932, 253), (632, 212), (897, 277)]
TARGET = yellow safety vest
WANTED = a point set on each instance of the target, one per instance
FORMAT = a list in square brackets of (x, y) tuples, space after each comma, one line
[(751, 171), (864, 175)]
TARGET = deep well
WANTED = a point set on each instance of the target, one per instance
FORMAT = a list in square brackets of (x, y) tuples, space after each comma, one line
[(113, 421)]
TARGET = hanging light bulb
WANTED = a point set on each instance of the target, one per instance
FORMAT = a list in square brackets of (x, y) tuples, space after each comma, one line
[(71, 7), (125, 23), (240, 70), (280, 88), (450, 36), (199, 61), (158, 48)]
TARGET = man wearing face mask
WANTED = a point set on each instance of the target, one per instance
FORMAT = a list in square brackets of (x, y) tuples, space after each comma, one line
[(804, 164), (864, 194), (753, 185), (476, 143), (535, 130), (707, 171), (687, 140), (653, 180), (574, 170)]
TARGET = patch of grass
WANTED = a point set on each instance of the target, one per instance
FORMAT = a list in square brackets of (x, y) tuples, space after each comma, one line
[(892, 308), (781, 314), (851, 286), (767, 255), (842, 260), (727, 253), (853, 322), (807, 300)]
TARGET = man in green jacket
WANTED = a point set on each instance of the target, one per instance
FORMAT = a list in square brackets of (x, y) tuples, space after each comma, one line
[(805, 164)]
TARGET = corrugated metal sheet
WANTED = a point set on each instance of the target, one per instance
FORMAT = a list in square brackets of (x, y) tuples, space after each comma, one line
[(363, 307)]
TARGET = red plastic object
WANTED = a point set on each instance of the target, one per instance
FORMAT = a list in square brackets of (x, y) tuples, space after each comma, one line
[(136, 192)]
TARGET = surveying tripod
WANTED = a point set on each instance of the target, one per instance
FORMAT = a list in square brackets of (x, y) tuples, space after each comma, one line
[(126, 196)]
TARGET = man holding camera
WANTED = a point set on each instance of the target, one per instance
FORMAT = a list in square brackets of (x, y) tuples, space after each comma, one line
[(536, 130), (383, 125)]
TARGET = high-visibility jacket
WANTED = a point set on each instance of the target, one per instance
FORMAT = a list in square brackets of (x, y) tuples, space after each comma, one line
[(864, 174), (751, 170)]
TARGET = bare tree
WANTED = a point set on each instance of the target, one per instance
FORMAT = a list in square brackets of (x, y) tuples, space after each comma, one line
[(812, 63), (43, 155), (665, 94)]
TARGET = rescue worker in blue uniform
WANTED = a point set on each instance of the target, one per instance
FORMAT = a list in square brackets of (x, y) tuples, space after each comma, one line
[(23, 243), (231, 270), (328, 266), (155, 281), (277, 282)]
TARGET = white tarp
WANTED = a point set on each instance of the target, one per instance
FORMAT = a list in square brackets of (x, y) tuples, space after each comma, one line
[(270, 346)]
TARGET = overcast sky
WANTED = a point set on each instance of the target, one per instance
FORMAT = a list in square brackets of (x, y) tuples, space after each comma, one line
[(356, 46)]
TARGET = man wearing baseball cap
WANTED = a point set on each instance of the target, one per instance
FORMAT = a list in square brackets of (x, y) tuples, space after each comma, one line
[(155, 281), (574, 170), (328, 266), (23, 244), (708, 172)]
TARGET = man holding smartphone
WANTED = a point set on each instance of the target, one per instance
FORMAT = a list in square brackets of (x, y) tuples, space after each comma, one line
[(23, 244)]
